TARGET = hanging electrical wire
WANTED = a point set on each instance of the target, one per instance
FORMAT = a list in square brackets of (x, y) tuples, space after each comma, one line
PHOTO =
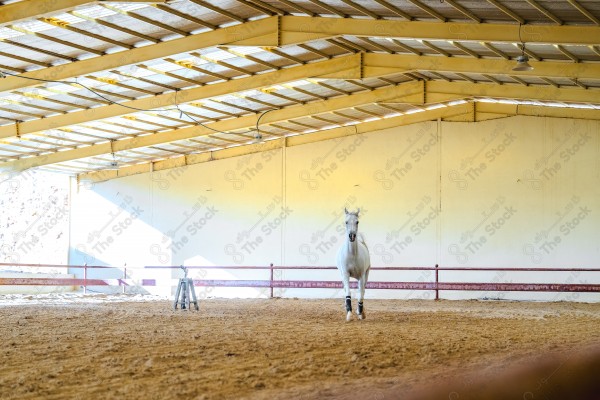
[(176, 108), (86, 88), (182, 112)]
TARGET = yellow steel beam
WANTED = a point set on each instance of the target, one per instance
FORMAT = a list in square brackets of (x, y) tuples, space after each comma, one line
[(379, 64), (349, 66), (585, 12), (393, 93), (518, 92), (373, 65), (366, 127), (29, 9), (296, 29), (255, 33), (412, 93), (537, 111)]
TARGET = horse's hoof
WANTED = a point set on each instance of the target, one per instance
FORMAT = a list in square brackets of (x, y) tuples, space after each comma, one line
[(349, 316)]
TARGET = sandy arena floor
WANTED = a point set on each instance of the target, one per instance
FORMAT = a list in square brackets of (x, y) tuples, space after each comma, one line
[(265, 349)]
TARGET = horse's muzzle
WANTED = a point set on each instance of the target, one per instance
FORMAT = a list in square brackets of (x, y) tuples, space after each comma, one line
[(352, 237)]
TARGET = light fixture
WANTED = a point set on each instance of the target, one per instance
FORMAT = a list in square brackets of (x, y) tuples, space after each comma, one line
[(523, 59), (114, 165), (522, 63), (258, 138)]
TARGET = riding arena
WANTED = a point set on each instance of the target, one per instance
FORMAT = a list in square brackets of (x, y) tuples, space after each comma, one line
[(316, 199)]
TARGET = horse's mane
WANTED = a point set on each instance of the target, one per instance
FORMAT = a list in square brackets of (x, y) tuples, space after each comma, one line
[(362, 239)]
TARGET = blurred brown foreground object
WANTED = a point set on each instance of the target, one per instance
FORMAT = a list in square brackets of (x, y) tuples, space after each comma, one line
[(574, 376)]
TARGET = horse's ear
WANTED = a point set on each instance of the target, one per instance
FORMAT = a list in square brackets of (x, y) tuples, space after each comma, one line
[(346, 210), (357, 212)]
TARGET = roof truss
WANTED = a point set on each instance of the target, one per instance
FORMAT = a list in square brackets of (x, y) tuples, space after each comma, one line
[(29, 9), (278, 66)]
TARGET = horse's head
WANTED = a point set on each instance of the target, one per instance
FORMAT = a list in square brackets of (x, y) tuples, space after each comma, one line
[(351, 224)]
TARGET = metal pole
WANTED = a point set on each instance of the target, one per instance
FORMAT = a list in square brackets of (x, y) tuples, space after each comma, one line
[(437, 292), (271, 282), (124, 276)]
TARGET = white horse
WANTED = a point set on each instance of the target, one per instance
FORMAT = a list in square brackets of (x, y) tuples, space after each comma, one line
[(353, 261)]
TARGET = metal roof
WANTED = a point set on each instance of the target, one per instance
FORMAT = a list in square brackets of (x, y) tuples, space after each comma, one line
[(129, 86)]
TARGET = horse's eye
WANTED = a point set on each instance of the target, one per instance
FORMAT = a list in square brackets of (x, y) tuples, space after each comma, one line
[(356, 222)]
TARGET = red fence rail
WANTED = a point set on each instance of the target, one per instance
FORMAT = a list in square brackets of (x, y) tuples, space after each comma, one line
[(435, 285)]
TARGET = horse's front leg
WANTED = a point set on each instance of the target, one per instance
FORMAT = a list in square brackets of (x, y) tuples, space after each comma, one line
[(362, 283), (346, 282)]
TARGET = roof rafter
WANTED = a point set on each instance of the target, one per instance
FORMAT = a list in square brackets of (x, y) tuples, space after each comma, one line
[(258, 7), (464, 11), (188, 17), (507, 11), (429, 10), (65, 25), (56, 40), (333, 66), (538, 111), (547, 13), (284, 114), (326, 68), (378, 64), (219, 10), (258, 33), (29, 9), (328, 8), (361, 9), (394, 9), (296, 29), (585, 12), (110, 25), (381, 124), (519, 92), (411, 92), (299, 29)]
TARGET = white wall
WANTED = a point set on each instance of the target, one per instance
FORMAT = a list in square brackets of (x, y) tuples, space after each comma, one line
[(519, 191), (34, 228)]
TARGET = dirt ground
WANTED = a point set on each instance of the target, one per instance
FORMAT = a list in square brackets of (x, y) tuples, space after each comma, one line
[(275, 348)]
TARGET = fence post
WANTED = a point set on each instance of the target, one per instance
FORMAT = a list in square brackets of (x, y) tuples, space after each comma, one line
[(271, 281), (124, 276), (437, 292), (85, 278)]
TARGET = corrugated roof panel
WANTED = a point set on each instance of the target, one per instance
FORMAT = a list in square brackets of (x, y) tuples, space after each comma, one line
[(583, 53), (593, 83), (9, 49), (247, 65), (170, 19), (70, 37), (47, 45), (17, 113), (137, 25), (196, 108), (108, 132), (145, 80), (7, 33), (324, 46)]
